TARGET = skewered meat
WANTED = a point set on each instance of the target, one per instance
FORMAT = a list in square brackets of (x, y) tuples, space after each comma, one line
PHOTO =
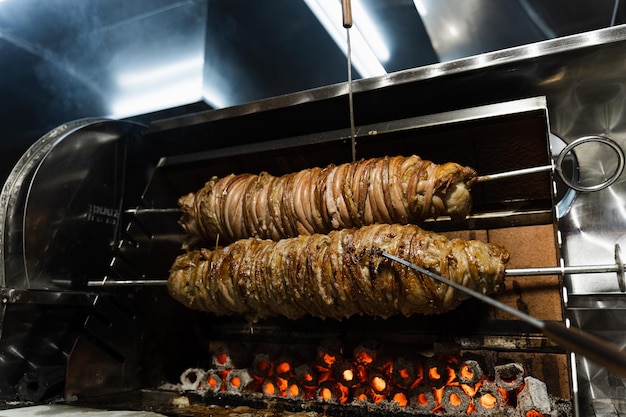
[(382, 190), (337, 275)]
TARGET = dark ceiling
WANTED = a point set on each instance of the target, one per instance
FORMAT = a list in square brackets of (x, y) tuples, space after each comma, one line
[(69, 59)]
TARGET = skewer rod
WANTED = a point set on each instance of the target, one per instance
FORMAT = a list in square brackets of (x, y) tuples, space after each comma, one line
[(519, 272), (127, 283), (515, 173), (561, 270)]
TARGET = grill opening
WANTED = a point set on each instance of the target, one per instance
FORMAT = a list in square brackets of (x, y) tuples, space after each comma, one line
[(137, 339)]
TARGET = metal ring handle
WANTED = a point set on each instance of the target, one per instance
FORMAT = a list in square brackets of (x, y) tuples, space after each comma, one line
[(600, 139)]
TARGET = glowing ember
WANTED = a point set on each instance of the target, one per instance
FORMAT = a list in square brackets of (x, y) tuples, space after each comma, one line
[(283, 368), (379, 384), (365, 353), (261, 366), (423, 399), (213, 381), (329, 360), (332, 392), (222, 358), (282, 384), (328, 354), (469, 374), (466, 372), (400, 398), (488, 400), (364, 358), (294, 390), (361, 393), (269, 388)]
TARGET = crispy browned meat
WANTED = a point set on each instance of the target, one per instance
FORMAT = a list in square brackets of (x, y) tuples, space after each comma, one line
[(381, 190), (337, 275)]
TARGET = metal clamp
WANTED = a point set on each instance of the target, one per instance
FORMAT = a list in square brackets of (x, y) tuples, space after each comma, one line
[(620, 271)]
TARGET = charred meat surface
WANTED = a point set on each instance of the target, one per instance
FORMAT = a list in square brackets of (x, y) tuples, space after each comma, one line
[(395, 189), (337, 275)]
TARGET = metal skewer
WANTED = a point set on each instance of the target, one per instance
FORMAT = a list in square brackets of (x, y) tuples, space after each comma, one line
[(557, 167), (594, 348), (127, 283), (618, 267)]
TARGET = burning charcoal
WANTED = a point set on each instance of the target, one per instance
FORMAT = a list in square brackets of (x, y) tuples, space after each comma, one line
[(329, 353), (237, 380), (399, 397), (404, 373), (509, 376), (192, 378), (423, 399), (347, 374), (533, 398), (261, 366), (333, 392), (365, 353), (469, 372), (275, 387), (379, 384), (221, 359), (283, 368), (436, 373), (454, 400), (269, 388), (295, 390), (362, 393), (306, 376), (213, 381), (488, 399)]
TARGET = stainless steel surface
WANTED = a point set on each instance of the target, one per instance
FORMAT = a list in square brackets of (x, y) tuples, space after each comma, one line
[(12, 198), (59, 172), (69, 410)]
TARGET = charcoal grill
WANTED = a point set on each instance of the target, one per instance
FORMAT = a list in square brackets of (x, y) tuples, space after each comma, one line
[(89, 222)]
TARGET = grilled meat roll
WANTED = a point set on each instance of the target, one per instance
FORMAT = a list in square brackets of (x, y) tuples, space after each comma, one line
[(381, 190), (337, 275)]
